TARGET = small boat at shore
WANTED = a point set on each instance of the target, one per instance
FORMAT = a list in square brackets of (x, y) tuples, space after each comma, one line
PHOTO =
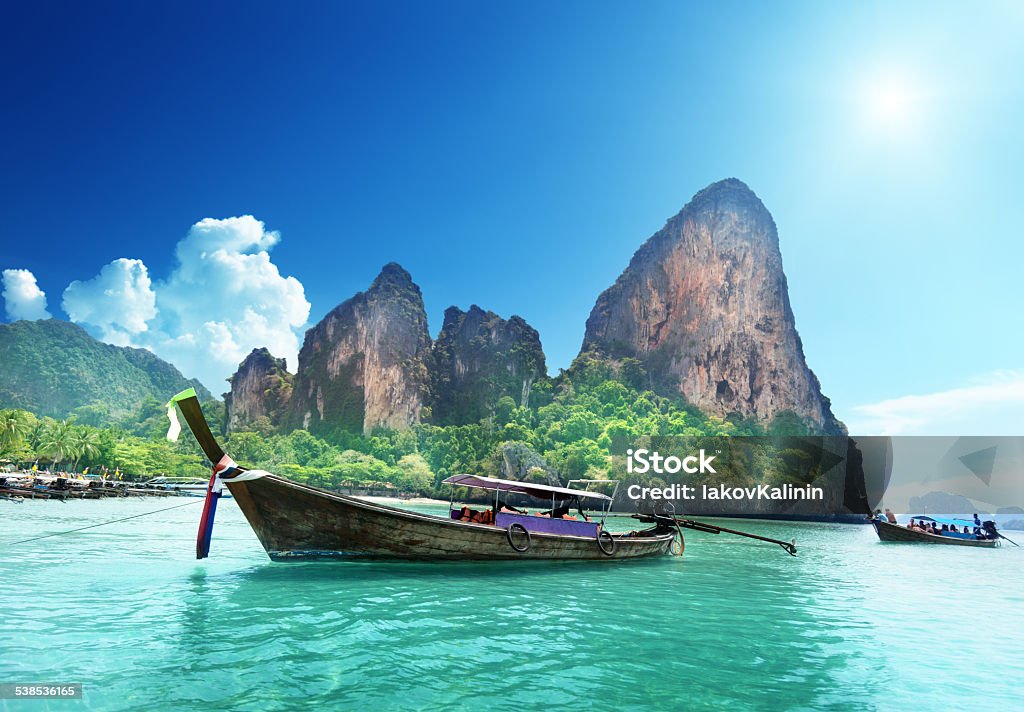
[(183, 486), (294, 521), (987, 539)]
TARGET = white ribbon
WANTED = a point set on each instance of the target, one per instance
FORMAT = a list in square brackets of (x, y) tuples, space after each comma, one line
[(175, 430)]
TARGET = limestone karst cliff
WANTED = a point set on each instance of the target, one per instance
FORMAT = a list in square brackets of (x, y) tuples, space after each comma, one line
[(478, 358), (260, 389), (363, 366), (704, 305)]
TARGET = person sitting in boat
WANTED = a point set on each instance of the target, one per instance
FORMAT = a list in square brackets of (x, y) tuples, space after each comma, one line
[(476, 516), (890, 517)]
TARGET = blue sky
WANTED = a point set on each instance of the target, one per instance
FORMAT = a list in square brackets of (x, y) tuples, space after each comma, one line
[(516, 155)]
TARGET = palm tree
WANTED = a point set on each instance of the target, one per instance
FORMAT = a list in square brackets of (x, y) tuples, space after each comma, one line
[(57, 442), (86, 443), (36, 435), (13, 430)]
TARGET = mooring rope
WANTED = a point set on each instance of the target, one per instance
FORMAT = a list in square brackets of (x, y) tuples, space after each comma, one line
[(102, 524)]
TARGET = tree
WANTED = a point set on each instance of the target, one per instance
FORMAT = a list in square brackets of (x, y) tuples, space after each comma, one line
[(85, 442), (414, 474), (58, 442), (249, 448), (14, 428), (307, 449), (504, 410)]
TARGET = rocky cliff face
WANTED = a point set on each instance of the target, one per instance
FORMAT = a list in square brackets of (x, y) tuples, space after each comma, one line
[(479, 358), (364, 365), (704, 305), (260, 389)]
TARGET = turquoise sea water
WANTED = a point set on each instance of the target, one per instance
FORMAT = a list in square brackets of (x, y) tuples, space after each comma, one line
[(848, 624)]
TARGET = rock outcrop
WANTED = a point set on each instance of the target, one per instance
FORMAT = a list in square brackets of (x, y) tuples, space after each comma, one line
[(521, 462), (477, 359), (704, 305), (364, 365), (261, 390)]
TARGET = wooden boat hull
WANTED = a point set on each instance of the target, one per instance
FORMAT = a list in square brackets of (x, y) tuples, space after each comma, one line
[(894, 532), (298, 522)]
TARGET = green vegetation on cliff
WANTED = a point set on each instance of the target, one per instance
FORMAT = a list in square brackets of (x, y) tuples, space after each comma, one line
[(571, 427), (54, 368)]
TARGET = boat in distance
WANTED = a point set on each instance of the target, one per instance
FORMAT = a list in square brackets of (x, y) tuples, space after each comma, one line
[(889, 532)]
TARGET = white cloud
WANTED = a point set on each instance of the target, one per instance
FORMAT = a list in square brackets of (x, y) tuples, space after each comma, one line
[(224, 298), (991, 405), (23, 299), (119, 302)]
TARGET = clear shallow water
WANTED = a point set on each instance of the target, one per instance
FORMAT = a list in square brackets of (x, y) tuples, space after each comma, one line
[(849, 623)]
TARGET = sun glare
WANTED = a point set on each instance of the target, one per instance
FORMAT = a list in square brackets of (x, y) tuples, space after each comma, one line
[(890, 103)]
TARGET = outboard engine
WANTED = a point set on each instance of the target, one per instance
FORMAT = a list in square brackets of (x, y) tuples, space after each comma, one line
[(990, 529)]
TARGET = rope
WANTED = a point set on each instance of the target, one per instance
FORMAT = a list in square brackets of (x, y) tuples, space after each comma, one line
[(103, 524)]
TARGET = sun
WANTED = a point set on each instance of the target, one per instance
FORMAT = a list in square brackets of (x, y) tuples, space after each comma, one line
[(890, 103)]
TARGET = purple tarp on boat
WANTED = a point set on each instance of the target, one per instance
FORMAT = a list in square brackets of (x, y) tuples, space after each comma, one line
[(549, 526)]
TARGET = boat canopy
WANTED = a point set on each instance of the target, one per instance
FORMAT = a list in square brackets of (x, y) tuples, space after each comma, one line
[(942, 520), (538, 491)]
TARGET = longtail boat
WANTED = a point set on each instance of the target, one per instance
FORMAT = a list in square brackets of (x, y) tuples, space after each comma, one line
[(989, 537), (295, 521)]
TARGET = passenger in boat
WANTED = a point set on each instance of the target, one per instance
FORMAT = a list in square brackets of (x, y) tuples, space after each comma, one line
[(559, 512), (890, 516), (471, 515)]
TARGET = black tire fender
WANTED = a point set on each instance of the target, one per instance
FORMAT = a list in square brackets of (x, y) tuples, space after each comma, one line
[(511, 542), (606, 548)]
